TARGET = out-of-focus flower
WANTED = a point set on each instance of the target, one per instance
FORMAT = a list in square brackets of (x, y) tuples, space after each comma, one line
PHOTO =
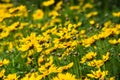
[(66, 76), (48, 3), (11, 77), (7, 1), (114, 41), (38, 14), (2, 73), (5, 61), (116, 14)]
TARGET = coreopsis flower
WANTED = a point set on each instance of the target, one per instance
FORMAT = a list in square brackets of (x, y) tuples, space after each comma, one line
[(58, 6), (75, 7), (87, 5), (2, 73), (91, 14), (87, 42), (92, 22), (48, 3), (112, 78), (96, 63), (66, 76), (5, 61), (1, 63), (98, 74), (32, 76), (114, 41), (38, 14), (88, 56), (116, 14), (11, 77), (106, 57)]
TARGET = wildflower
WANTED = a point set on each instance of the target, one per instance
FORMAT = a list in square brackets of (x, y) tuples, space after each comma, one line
[(87, 42), (112, 78), (22, 11), (96, 63), (48, 3), (40, 60), (91, 14), (10, 46), (116, 14), (92, 22), (87, 5), (2, 73), (1, 63), (98, 74), (58, 6), (5, 61), (82, 32), (74, 7), (38, 14), (32, 76), (114, 41), (11, 77), (66, 76), (53, 13), (90, 55), (106, 57)]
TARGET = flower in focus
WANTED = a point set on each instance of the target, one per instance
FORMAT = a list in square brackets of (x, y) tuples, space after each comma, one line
[(38, 14)]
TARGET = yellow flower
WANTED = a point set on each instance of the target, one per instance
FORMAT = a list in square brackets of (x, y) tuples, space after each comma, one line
[(98, 74), (91, 14), (5, 61), (1, 63), (112, 78), (53, 13), (32, 76), (48, 3), (11, 77), (90, 55), (116, 14), (96, 63), (38, 14), (66, 76), (92, 22), (58, 6), (2, 73), (87, 42), (87, 5), (106, 57), (74, 7), (114, 41), (40, 60)]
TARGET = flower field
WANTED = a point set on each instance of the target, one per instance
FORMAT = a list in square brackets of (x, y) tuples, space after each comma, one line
[(59, 40)]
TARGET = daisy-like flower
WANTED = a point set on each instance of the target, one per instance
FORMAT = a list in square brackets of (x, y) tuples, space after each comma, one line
[(48, 3), (38, 14), (66, 76)]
